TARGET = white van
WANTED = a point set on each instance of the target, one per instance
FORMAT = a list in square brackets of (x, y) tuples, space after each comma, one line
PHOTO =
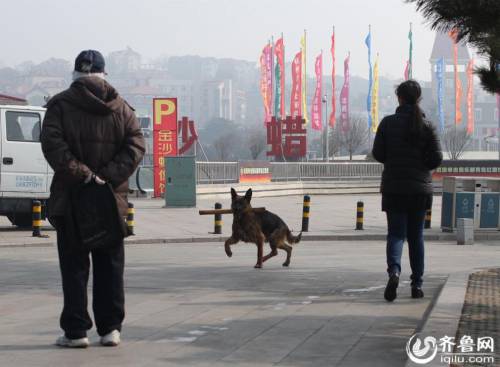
[(24, 173)]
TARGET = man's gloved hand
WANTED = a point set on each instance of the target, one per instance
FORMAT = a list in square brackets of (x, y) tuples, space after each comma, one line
[(99, 180), (95, 178)]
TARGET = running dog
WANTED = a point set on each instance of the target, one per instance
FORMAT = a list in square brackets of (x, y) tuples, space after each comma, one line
[(259, 227)]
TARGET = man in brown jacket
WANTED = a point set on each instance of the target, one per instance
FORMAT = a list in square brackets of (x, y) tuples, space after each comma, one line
[(90, 134)]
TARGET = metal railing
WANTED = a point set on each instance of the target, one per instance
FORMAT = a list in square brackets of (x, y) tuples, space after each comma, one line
[(229, 172), (217, 172), (324, 171)]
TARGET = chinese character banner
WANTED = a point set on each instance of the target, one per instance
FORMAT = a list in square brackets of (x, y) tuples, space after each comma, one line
[(164, 138)]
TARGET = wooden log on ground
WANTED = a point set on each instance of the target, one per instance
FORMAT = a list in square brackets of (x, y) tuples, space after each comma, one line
[(225, 211)]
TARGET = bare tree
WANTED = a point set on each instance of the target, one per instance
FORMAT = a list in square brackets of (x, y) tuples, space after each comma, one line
[(223, 146), (256, 141), (355, 138), (456, 141)]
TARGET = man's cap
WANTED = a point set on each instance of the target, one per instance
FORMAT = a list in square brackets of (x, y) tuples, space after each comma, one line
[(90, 61)]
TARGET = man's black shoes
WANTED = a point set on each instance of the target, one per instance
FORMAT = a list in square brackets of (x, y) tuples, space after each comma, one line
[(390, 293), (416, 292)]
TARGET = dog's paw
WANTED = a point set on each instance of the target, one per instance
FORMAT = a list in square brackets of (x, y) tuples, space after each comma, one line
[(258, 266), (286, 264), (229, 253)]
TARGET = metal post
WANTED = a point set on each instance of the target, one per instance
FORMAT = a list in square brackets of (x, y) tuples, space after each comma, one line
[(130, 219), (305, 213), (359, 215), (37, 218), (428, 218), (218, 220)]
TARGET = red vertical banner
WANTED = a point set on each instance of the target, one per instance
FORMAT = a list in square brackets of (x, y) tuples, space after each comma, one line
[(470, 97), (344, 98), (316, 115), (164, 138), (266, 86), (296, 102), (458, 84), (334, 106)]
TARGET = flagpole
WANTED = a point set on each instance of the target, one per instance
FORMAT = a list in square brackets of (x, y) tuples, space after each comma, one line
[(410, 58)]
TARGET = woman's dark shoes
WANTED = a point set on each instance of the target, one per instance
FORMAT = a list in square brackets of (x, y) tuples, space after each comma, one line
[(417, 292), (390, 293)]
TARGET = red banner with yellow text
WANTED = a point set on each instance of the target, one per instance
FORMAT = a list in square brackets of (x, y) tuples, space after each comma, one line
[(164, 138), (470, 97), (296, 102)]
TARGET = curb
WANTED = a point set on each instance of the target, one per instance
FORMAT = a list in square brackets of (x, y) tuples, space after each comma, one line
[(444, 314), (434, 237)]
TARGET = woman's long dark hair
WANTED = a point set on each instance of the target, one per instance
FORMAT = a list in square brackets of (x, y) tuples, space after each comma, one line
[(409, 92)]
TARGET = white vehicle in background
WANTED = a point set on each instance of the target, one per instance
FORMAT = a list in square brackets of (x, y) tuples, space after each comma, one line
[(24, 173)]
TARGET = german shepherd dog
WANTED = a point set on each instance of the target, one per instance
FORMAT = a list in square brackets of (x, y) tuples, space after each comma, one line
[(259, 227)]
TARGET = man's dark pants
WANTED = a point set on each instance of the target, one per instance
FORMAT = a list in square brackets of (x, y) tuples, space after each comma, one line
[(108, 295)]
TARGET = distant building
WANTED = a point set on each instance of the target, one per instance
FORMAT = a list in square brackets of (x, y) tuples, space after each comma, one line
[(124, 61), (485, 109)]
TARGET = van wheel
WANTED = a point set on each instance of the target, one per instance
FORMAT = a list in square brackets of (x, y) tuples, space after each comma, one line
[(21, 219)]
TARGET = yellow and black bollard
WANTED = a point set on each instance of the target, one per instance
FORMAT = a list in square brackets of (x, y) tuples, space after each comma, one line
[(306, 210), (360, 207), (37, 218), (218, 220), (428, 218), (130, 219)]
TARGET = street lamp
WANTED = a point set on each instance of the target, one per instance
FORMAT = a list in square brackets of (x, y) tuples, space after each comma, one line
[(327, 153)]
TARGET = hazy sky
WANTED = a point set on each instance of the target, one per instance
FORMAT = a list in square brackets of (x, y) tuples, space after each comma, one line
[(37, 30)]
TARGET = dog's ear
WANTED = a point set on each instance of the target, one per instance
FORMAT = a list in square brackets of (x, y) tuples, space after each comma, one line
[(233, 193), (248, 195)]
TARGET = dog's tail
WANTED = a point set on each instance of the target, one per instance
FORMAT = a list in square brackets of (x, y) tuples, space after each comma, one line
[(293, 239)]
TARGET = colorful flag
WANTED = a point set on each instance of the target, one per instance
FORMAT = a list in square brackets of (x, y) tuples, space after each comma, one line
[(279, 101), (304, 77), (296, 102), (374, 106), (316, 115), (334, 107), (440, 91), (344, 98), (368, 42), (470, 97), (407, 71), (458, 85), (410, 56), (266, 81)]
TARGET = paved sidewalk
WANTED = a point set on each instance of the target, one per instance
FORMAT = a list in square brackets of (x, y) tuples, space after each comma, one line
[(190, 305), (481, 311)]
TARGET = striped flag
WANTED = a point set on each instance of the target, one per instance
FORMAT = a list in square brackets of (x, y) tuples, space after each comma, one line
[(279, 101)]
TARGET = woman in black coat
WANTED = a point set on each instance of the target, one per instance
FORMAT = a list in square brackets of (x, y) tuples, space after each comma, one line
[(409, 148)]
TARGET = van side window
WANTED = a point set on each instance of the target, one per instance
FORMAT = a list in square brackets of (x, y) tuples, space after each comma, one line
[(23, 126)]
